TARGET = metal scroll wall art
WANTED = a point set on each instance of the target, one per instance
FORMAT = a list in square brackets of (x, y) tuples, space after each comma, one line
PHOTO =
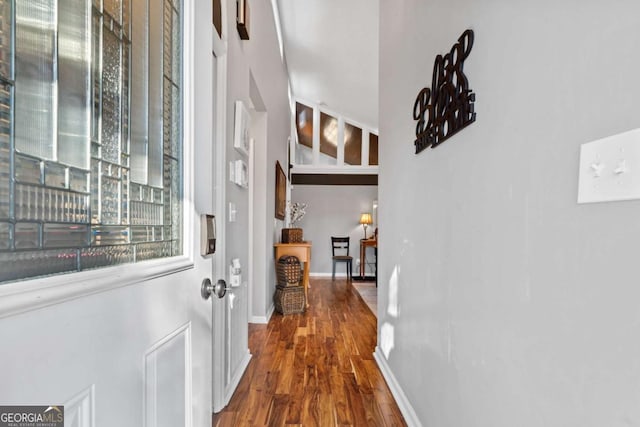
[(447, 107)]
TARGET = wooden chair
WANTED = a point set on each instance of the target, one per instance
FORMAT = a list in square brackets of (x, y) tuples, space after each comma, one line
[(338, 245)]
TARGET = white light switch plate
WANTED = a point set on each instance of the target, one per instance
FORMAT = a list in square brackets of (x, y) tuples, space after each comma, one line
[(610, 169)]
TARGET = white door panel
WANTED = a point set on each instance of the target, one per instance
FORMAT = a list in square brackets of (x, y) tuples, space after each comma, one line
[(134, 352)]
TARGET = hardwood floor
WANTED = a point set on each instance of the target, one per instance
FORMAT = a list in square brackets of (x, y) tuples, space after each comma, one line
[(314, 369)]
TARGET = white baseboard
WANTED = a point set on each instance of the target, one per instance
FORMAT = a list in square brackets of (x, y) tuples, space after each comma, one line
[(263, 320), (237, 377), (327, 274), (407, 410)]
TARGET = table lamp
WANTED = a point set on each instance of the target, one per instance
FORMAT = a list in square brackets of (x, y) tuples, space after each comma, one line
[(365, 219)]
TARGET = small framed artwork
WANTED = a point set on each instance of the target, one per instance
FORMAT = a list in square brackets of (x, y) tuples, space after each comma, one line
[(281, 192), (241, 128)]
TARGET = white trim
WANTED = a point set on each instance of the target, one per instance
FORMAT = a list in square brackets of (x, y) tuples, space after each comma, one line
[(263, 320), (231, 388), (219, 141), (327, 274), (21, 297), (407, 410), (335, 169)]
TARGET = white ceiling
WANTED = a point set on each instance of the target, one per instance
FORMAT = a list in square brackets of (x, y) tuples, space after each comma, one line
[(331, 50)]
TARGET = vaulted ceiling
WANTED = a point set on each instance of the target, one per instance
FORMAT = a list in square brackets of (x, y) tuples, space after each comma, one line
[(331, 50)]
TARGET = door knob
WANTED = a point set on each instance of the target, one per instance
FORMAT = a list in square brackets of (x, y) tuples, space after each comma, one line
[(207, 288)]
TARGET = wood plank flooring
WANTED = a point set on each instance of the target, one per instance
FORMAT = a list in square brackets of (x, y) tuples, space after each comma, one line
[(314, 369)]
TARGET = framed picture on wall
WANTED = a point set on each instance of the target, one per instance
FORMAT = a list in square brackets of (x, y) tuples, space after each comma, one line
[(281, 192), (241, 128)]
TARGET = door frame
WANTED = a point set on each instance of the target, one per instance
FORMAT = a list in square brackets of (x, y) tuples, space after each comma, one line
[(219, 50)]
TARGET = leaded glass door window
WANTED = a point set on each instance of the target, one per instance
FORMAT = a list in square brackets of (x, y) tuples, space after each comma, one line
[(90, 134)]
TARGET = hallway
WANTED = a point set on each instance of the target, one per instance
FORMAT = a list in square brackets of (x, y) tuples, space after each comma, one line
[(314, 369)]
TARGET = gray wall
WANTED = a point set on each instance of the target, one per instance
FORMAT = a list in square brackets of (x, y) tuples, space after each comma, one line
[(502, 301), (257, 59), (333, 211)]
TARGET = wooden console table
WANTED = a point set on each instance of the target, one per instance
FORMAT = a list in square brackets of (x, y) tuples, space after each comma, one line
[(364, 244), (302, 251)]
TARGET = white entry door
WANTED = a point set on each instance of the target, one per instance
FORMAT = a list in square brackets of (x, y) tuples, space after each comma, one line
[(128, 345)]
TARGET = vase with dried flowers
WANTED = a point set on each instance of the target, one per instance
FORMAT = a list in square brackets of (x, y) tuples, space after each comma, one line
[(296, 213)]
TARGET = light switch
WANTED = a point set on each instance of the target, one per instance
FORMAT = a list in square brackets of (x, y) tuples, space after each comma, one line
[(610, 168), (232, 212)]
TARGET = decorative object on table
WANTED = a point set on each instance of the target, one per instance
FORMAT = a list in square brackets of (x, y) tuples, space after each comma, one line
[(241, 141), (289, 297), (447, 107), (281, 192), (289, 273), (292, 235), (297, 211), (365, 219)]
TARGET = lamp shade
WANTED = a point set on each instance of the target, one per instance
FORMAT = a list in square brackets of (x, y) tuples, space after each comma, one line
[(365, 218)]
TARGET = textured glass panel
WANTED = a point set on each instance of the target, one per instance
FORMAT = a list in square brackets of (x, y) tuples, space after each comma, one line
[(139, 93), (143, 213), (329, 138), (126, 17), (373, 149), (167, 37), (95, 186), (18, 265), (114, 9), (110, 206), (55, 175), (155, 148), (27, 235), (146, 251), (124, 197), (176, 123), (5, 115), (141, 234), (5, 236), (78, 180), (29, 202), (352, 145), (5, 154), (74, 82), (157, 196), (126, 63), (111, 101), (60, 205), (105, 256), (65, 236), (4, 198), (35, 88), (96, 78), (167, 115), (109, 235), (176, 207), (176, 47), (5, 39), (27, 169)]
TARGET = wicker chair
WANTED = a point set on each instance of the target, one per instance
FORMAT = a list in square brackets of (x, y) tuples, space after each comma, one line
[(341, 244)]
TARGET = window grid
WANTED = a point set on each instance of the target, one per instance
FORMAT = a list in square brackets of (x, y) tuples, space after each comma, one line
[(58, 217)]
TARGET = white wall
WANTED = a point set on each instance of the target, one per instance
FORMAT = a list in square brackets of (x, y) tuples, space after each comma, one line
[(333, 210), (258, 57), (503, 302)]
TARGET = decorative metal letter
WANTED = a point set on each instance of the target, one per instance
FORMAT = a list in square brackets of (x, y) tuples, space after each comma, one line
[(447, 107)]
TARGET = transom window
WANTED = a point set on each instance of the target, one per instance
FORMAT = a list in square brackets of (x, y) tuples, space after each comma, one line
[(90, 134)]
